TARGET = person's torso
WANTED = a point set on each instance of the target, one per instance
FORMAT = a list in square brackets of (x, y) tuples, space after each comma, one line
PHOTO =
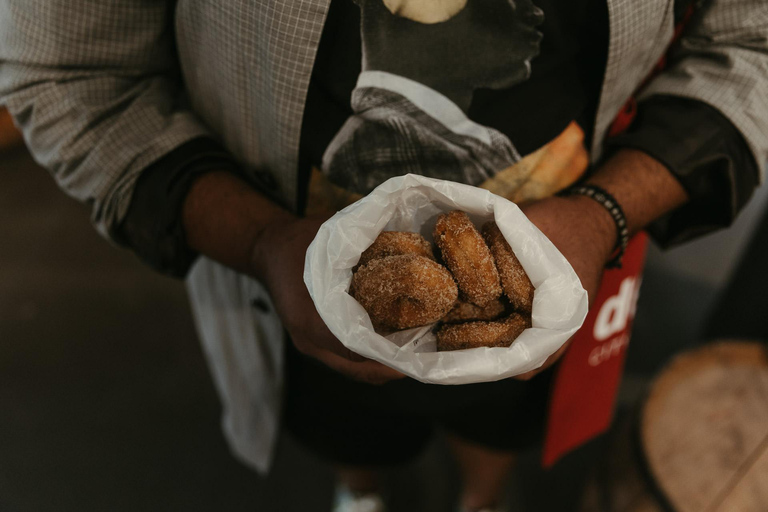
[(247, 68), (526, 71)]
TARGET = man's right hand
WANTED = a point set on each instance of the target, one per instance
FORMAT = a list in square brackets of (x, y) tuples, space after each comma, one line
[(278, 262), (230, 222)]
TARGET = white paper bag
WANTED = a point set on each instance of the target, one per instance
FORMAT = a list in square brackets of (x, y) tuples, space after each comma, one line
[(412, 203)]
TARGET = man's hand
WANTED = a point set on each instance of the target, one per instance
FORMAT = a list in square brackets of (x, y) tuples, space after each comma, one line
[(278, 260), (227, 220), (584, 231)]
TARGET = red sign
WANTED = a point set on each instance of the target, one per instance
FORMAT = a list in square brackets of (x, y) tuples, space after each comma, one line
[(587, 381)]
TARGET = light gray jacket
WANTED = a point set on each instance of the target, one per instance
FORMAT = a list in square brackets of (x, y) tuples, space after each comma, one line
[(97, 89)]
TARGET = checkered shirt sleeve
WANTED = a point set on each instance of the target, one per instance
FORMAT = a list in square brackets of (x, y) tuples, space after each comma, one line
[(96, 89), (722, 60)]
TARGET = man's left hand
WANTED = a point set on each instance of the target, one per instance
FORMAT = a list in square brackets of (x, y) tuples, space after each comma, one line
[(584, 233)]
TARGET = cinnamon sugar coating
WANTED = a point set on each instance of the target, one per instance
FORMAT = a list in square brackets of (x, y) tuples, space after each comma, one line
[(515, 282), (467, 312), (499, 333), (404, 291), (468, 258), (395, 243)]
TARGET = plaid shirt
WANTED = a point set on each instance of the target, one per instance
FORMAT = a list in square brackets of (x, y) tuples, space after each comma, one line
[(96, 87)]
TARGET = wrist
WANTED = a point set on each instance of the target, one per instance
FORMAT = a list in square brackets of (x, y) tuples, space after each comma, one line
[(582, 231), (611, 206), (579, 219), (227, 220), (597, 225), (643, 187), (266, 243)]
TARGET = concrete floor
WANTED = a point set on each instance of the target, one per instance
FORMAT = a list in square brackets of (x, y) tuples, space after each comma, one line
[(106, 402)]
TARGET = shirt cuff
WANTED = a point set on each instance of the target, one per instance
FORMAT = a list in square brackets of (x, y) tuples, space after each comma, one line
[(705, 152), (153, 226)]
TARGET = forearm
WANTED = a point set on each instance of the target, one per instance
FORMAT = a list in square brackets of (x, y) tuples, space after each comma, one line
[(704, 152), (643, 187), (225, 219), (585, 232), (229, 221)]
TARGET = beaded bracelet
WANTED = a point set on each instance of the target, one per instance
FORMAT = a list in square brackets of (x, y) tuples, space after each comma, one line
[(608, 202)]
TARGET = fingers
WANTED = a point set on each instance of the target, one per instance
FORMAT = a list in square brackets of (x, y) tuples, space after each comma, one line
[(549, 362), (322, 338), (330, 343), (360, 369), (323, 346), (367, 371), (526, 376), (531, 374)]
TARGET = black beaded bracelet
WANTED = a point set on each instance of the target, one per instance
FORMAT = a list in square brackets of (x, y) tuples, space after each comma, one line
[(609, 203)]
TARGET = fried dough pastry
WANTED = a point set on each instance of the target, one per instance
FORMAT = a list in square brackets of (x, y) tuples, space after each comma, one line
[(395, 243), (467, 312), (482, 334), (514, 281), (400, 292), (468, 258)]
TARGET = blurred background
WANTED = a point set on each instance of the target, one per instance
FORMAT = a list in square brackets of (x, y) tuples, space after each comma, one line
[(106, 402)]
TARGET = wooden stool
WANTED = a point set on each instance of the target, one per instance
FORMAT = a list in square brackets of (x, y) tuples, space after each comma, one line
[(698, 443)]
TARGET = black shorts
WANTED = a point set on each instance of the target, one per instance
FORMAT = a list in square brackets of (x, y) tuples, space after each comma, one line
[(349, 422)]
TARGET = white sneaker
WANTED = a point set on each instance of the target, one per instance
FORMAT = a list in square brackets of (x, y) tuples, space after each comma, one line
[(347, 501)]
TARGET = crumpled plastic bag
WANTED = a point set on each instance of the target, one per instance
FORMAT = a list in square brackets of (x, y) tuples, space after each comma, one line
[(412, 203)]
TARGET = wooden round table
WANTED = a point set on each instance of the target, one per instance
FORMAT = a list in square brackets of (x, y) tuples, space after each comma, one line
[(699, 442)]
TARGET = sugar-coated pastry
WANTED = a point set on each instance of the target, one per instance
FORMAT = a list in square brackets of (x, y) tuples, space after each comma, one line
[(515, 282), (500, 333), (467, 312), (395, 243), (400, 292), (467, 256)]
